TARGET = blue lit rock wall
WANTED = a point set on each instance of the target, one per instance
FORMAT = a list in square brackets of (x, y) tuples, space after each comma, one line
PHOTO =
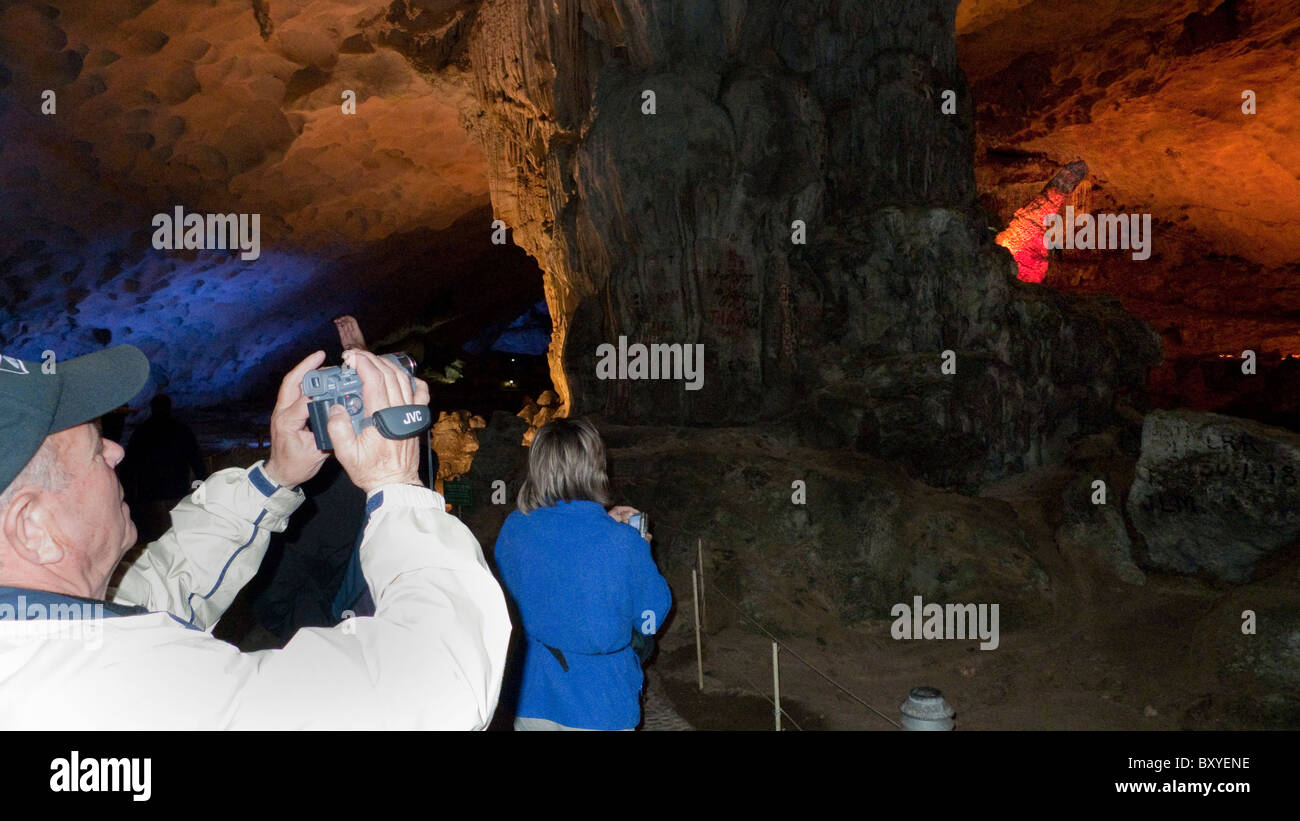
[(223, 108)]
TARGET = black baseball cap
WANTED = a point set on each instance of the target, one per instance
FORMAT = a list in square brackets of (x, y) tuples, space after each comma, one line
[(35, 404)]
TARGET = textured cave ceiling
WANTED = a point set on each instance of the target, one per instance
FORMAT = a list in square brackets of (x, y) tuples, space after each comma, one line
[(234, 106), (1149, 94), (201, 104)]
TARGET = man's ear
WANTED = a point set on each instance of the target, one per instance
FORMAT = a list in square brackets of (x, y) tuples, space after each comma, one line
[(27, 527)]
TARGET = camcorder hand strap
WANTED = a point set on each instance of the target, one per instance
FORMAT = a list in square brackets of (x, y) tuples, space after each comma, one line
[(400, 422)]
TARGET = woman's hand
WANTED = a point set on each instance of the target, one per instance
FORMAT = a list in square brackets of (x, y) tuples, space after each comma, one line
[(623, 512)]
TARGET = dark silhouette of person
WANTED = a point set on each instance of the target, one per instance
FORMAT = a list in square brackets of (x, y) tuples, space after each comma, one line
[(312, 572), (306, 564), (161, 457)]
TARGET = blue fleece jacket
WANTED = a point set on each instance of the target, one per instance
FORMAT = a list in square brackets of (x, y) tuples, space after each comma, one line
[(583, 582)]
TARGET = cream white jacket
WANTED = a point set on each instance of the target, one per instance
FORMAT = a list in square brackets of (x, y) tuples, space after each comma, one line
[(431, 657)]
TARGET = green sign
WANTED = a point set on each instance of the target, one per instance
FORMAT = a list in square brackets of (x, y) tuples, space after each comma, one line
[(458, 492)]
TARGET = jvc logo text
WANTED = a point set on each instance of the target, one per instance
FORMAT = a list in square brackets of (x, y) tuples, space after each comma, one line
[(413, 417)]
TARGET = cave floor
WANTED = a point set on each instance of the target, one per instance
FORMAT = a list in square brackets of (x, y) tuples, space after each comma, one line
[(1113, 656), (1120, 664), (1117, 673)]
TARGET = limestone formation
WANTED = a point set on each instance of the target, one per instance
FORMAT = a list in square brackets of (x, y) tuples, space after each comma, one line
[(453, 437), (679, 226), (537, 414), (224, 108), (1097, 531), (1023, 236), (797, 202), (1214, 494), (1166, 105)]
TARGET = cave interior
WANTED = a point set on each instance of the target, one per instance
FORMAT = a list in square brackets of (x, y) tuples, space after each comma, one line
[(842, 202)]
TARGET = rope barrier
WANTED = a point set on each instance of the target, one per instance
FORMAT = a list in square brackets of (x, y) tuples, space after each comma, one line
[(805, 661), (763, 695), (783, 645)]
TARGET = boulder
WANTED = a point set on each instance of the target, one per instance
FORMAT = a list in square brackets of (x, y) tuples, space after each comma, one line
[(1250, 642), (1214, 494), (1097, 531)]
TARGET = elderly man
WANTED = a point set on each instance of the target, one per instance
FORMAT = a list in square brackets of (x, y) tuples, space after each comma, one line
[(431, 657)]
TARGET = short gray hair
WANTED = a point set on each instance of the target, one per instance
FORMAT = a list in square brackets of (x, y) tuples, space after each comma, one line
[(566, 463), (45, 469)]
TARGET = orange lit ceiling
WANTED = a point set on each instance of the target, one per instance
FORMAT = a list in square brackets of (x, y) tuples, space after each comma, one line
[(1149, 94)]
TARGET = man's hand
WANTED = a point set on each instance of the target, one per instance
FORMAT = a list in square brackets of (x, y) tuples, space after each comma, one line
[(350, 333), (371, 460), (294, 457)]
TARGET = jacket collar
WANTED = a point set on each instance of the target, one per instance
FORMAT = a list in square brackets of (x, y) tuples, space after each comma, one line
[(22, 600)]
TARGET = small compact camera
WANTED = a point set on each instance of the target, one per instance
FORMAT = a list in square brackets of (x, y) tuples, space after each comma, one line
[(341, 385), (640, 522)]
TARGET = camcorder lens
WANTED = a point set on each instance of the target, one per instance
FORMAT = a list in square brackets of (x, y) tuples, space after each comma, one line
[(404, 359)]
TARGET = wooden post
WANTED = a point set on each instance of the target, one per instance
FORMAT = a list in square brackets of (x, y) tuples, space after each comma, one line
[(699, 653), (704, 589), (776, 686)]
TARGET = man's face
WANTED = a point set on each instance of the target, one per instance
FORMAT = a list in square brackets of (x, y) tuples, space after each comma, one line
[(95, 524)]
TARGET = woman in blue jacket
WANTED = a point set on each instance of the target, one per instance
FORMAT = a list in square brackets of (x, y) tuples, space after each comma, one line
[(583, 582)]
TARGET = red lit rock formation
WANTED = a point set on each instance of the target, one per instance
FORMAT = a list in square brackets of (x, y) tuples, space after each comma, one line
[(1023, 237), (1187, 110)]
